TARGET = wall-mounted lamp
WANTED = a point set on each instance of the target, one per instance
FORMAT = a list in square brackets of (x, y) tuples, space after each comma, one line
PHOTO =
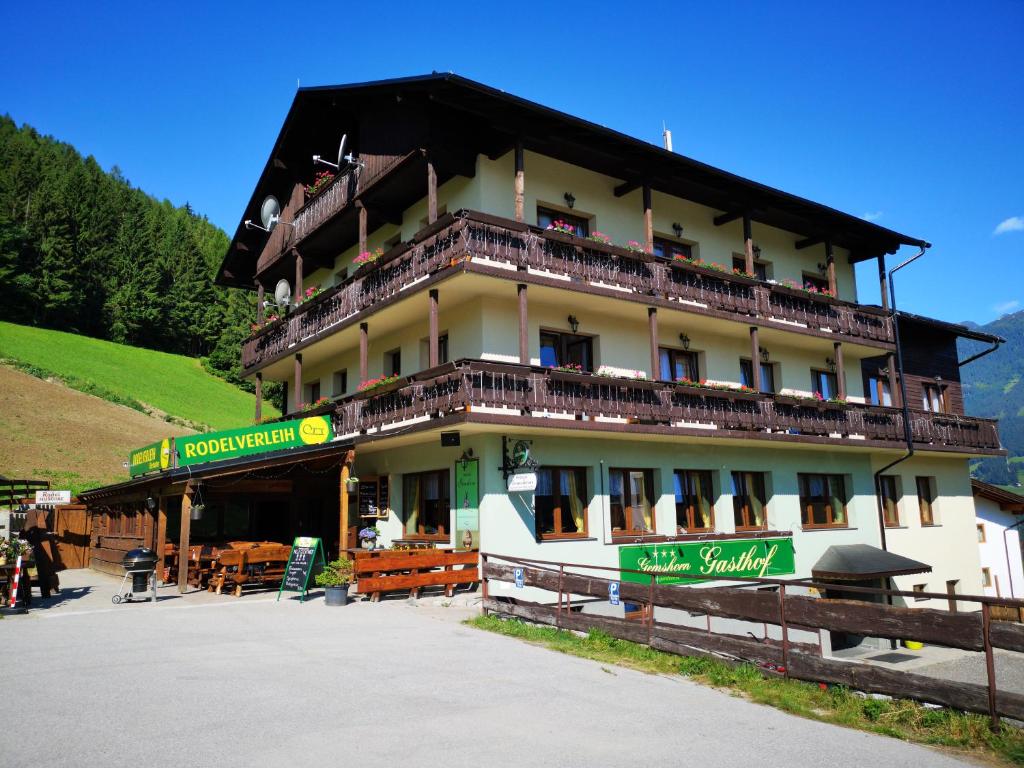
[(677, 228), (574, 323), (465, 457), (822, 268), (764, 354), (831, 364), (757, 252), (684, 340), (150, 503), (570, 199)]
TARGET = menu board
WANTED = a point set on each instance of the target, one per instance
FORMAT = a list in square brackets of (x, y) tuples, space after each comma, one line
[(373, 495), (306, 560)]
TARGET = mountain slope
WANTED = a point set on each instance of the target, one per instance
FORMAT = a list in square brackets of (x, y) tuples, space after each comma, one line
[(172, 384), (994, 387)]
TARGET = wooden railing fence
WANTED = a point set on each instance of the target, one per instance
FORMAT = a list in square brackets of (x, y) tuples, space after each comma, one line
[(971, 631)]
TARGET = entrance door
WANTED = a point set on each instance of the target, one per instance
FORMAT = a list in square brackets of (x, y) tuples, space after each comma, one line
[(842, 640)]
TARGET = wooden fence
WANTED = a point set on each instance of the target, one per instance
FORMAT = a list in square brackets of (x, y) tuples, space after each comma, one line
[(12, 492), (389, 570), (972, 631)]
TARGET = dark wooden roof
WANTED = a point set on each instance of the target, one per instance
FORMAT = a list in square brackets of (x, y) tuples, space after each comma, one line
[(1007, 500), (468, 115), (953, 328)]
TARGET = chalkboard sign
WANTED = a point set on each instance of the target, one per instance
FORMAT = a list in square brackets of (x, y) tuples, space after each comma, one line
[(305, 561), (368, 497)]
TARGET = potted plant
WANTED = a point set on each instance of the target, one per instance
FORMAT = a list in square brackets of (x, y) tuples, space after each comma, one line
[(335, 579), (368, 537)]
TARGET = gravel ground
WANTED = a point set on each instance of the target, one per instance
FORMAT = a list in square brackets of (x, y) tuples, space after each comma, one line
[(250, 682), (970, 668)]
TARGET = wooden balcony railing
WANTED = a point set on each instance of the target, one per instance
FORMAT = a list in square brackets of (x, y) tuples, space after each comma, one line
[(523, 391), (484, 238)]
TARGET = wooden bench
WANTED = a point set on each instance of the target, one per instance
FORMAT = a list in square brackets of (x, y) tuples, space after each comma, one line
[(259, 565), (387, 570)]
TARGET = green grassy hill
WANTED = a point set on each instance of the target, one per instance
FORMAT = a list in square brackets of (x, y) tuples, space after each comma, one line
[(172, 384)]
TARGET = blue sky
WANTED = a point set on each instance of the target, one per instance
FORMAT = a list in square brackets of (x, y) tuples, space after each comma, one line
[(908, 113)]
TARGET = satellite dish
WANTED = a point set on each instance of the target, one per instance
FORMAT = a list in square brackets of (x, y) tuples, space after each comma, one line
[(270, 212), (282, 293), (341, 149)]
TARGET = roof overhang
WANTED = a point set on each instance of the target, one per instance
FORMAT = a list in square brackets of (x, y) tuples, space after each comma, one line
[(1007, 500), (499, 119), (856, 562)]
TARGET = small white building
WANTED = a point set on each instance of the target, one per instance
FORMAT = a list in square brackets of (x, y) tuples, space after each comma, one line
[(998, 514)]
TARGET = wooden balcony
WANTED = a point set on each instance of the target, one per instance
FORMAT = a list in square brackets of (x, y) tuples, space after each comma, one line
[(519, 395), (506, 249)]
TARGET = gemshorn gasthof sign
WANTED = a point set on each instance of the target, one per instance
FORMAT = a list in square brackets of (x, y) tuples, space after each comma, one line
[(704, 560)]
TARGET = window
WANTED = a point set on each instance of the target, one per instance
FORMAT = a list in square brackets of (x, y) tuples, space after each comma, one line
[(825, 383), (933, 398), (986, 577), (560, 502), (981, 533), (340, 276), (546, 217), (393, 362), (677, 364), (314, 392), (920, 588), (566, 349), (339, 385), (669, 249), (767, 375), (426, 505), (748, 501), (630, 492), (442, 351), (442, 348), (695, 508), (816, 282), (926, 499), (890, 500), (878, 390), (822, 501), (760, 267)]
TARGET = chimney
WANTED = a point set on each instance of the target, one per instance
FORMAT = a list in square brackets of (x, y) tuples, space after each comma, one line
[(666, 136)]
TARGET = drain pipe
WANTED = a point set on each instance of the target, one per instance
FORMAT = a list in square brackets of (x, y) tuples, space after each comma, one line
[(1006, 546), (908, 435)]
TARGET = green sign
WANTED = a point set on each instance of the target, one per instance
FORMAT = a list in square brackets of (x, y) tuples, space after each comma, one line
[(704, 560), (467, 504), (150, 458), (246, 441)]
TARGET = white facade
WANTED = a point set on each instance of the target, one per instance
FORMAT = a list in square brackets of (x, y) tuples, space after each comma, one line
[(999, 549)]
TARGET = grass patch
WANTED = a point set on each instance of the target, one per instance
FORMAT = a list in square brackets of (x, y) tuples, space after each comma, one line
[(142, 379), (898, 718)]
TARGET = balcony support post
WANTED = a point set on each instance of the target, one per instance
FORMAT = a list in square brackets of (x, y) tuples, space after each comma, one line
[(259, 301), (894, 384), (840, 371), (259, 396), (298, 276), (519, 187), (431, 191), (297, 396), (755, 360), (524, 331), (652, 326), (648, 220), (748, 244), (364, 350), (830, 262), (883, 283), (362, 226), (434, 342)]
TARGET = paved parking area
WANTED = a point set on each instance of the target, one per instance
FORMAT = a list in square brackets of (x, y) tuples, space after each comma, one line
[(249, 682)]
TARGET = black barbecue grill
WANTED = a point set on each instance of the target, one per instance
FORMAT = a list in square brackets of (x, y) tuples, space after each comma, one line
[(139, 563)]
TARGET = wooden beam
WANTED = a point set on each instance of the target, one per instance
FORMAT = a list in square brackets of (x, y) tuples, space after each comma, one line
[(343, 510), (364, 350), (259, 397), (434, 342), (297, 293), (161, 536), (840, 370), (625, 188), (755, 359), (748, 244), (830, 261), (883, 282), (652, 327), (725, 218), (519, 185), (183, 535), (648, 220), (894, 382), (362, 226), (431, 191), (801, 244), (259, 301), (524, 338)]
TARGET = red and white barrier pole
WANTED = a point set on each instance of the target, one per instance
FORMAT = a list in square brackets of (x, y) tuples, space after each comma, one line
[(15, 583)]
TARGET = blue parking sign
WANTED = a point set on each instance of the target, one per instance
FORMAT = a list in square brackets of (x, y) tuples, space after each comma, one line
[(613, 592), (519, 577)]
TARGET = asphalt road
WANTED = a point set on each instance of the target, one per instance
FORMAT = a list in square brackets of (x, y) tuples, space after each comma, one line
[(247, 682)]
